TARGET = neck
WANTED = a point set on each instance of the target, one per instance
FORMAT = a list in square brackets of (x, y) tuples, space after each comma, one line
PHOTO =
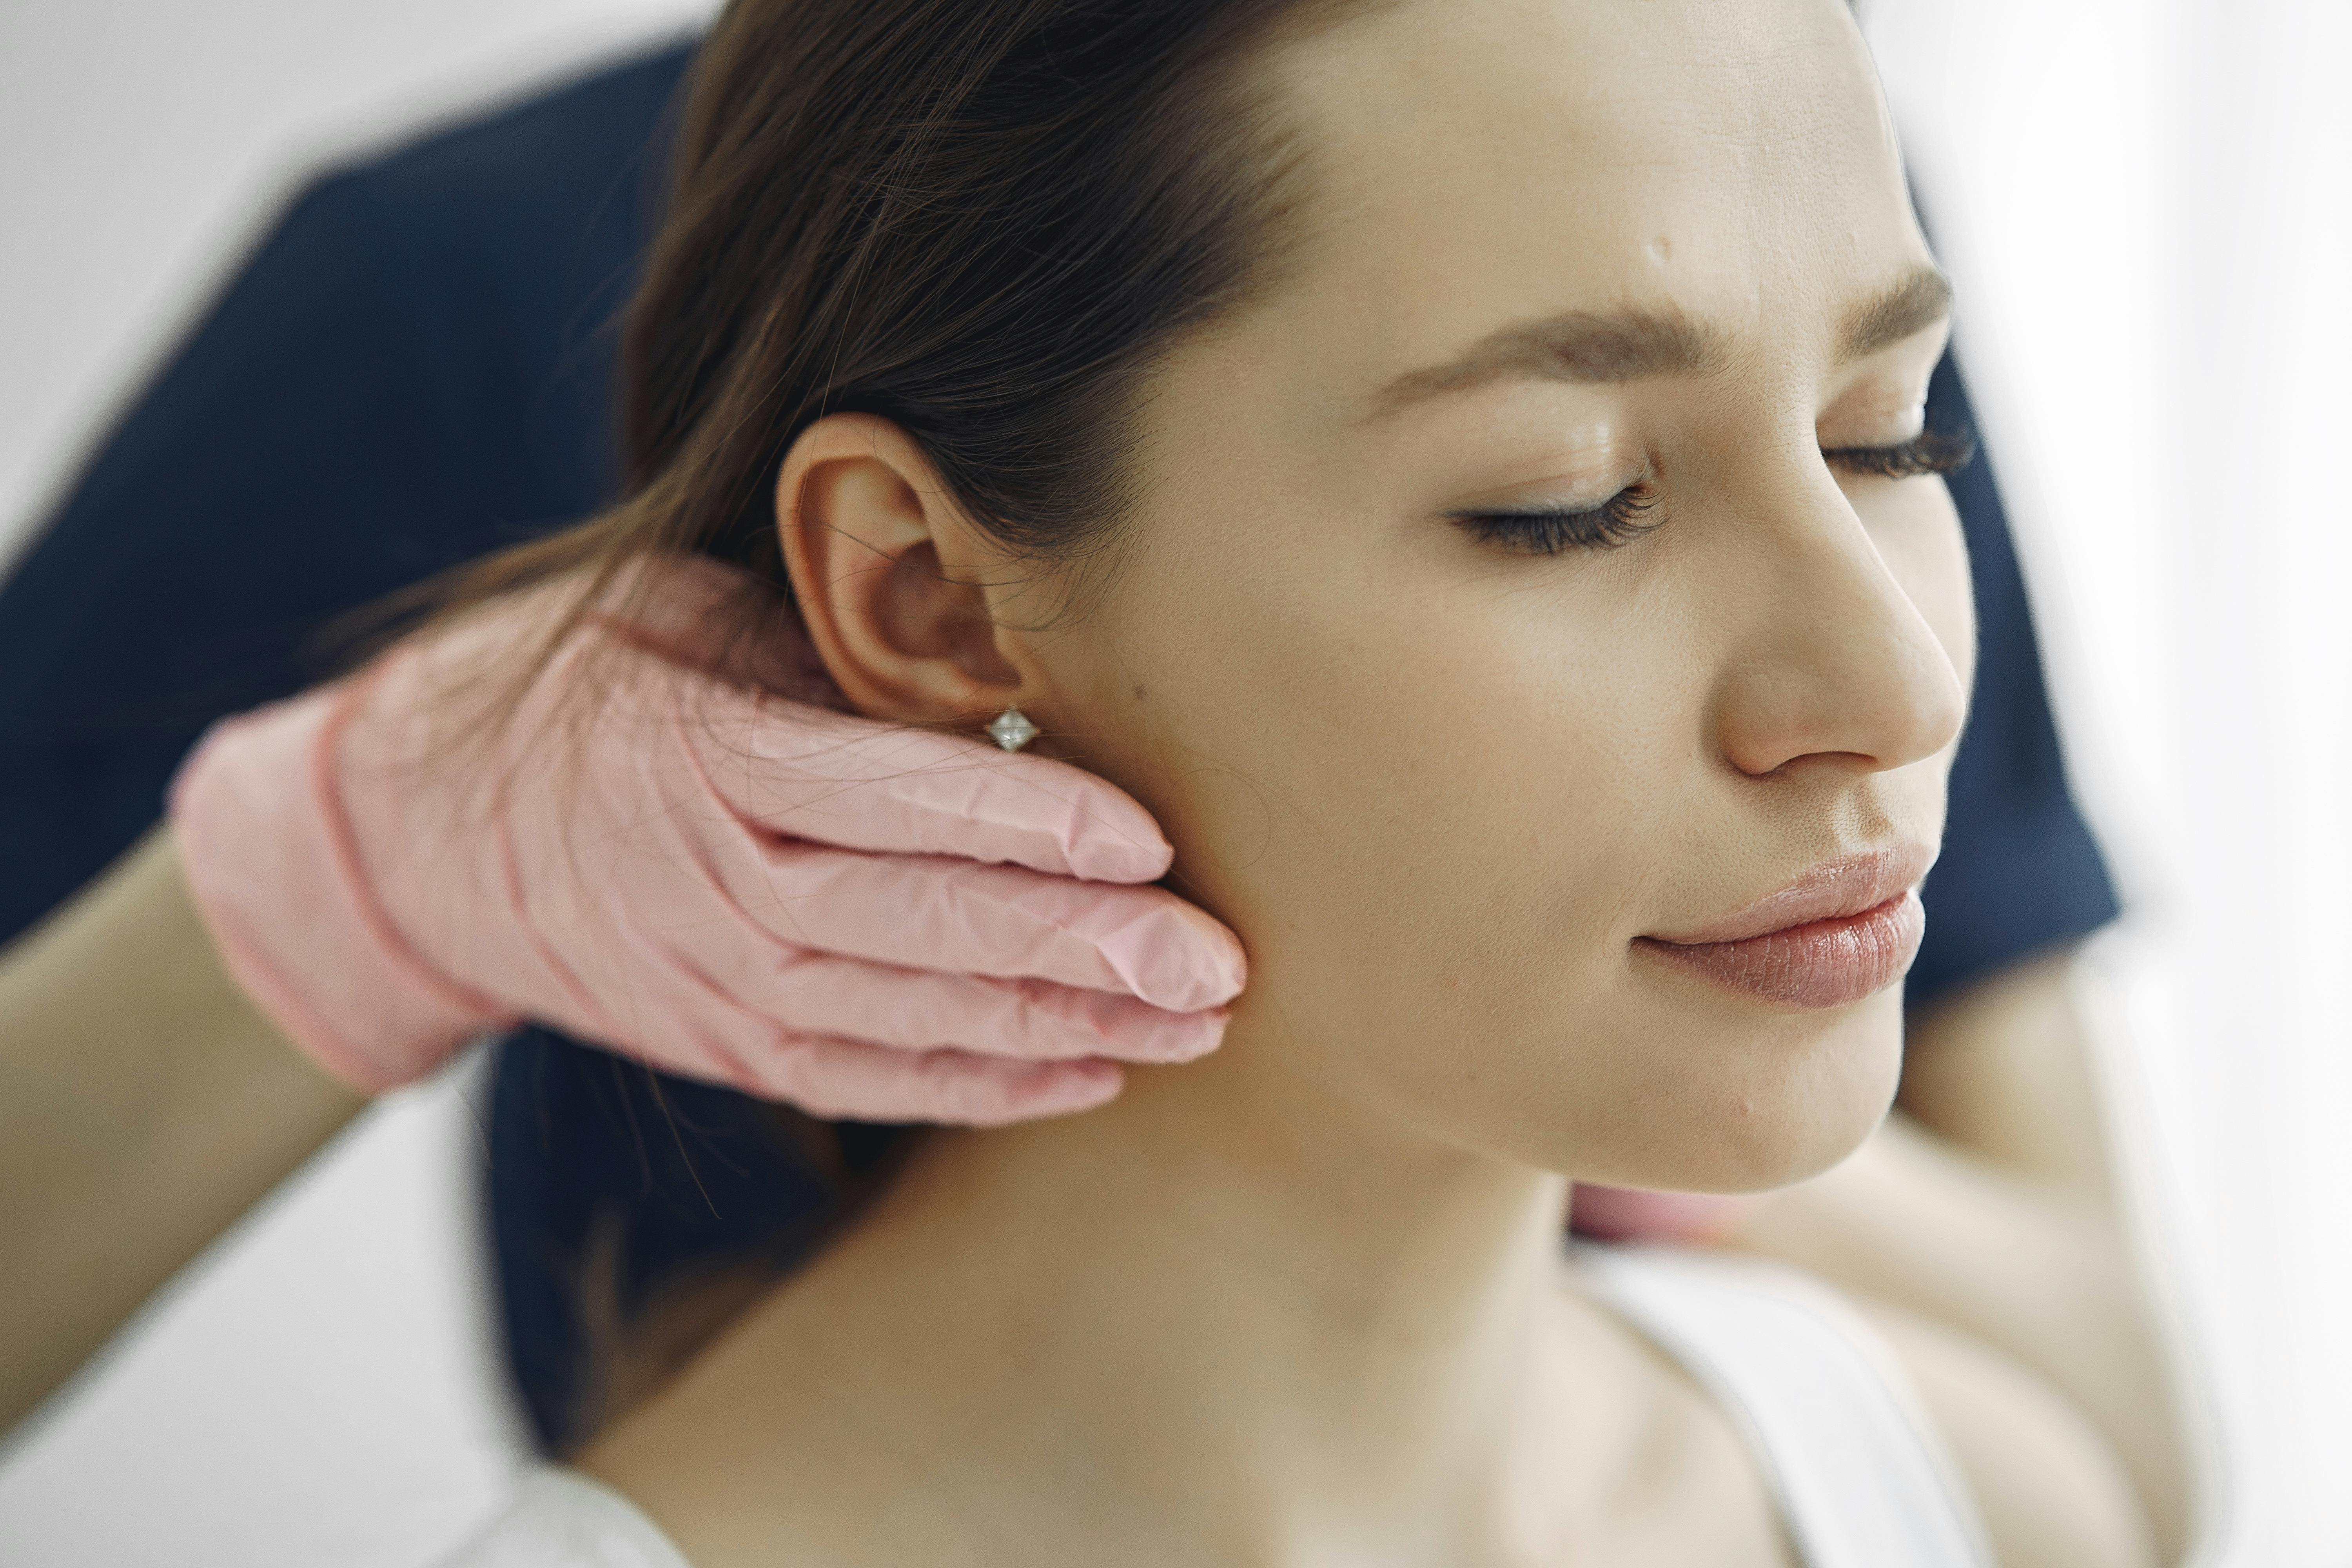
[(1224, 1310)]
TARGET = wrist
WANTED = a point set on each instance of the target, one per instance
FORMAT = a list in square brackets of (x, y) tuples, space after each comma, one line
[(271, 866)]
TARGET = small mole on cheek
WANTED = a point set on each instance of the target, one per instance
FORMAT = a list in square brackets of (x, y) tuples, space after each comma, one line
[(1140, 691)]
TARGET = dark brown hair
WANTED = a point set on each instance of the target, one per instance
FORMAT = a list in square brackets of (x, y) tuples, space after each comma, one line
[(979, 219), (982, 220)]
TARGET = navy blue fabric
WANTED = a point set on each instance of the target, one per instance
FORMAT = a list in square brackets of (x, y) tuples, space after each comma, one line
[(413, 369), (2020, 870)]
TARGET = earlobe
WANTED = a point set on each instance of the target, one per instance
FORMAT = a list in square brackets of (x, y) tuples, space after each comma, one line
[(882, 563)]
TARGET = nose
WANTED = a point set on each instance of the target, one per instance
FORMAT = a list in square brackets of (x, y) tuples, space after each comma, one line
[(1830, 658)]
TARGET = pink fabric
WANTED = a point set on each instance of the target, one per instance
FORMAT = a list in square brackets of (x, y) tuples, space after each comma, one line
[(863, 920)]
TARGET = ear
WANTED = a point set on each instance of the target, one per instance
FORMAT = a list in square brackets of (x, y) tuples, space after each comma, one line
[(890, 575)]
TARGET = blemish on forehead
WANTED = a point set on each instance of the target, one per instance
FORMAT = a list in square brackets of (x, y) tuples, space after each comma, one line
[(1662, 249)]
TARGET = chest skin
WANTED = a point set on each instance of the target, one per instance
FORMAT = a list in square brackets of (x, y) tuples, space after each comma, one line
[(1631, 1463), (1685, 1490)]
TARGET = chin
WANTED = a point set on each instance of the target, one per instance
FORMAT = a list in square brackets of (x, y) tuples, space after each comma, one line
[(1807, 1104), (1727, 1115)]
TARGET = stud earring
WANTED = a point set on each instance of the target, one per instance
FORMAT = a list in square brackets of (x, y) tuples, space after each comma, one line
[(1012, 729)]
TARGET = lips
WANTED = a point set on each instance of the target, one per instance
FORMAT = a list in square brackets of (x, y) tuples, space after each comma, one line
[(1845, 929)]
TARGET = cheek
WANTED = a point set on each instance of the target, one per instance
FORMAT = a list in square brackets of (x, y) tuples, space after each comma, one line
[(1428, 802), (1334, 754), (1437, 801)]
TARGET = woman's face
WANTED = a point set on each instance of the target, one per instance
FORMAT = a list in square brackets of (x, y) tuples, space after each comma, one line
[(1452, 786)]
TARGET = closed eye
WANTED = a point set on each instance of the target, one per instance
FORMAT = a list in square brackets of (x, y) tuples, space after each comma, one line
[(1930, 452), (1625, 516), (1549, 531)]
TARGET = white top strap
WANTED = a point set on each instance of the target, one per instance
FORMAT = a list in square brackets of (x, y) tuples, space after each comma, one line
[(1862, 1477), (562, 1519)]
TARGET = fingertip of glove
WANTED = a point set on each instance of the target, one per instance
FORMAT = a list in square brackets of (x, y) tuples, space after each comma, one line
[(1184, 960), (1050, 1089), (1154, 1037), (1111, 838), (1229, 970), (1204, 1032), (1119, 860)]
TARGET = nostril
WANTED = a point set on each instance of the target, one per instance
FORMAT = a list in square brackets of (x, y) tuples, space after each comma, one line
[(1857, 697)]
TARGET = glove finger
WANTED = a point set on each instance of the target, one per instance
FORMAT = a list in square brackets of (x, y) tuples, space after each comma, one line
[(919, 1010), (846, 1080), (837, 779), (1628, 1213), (953, 916), (676, 629)]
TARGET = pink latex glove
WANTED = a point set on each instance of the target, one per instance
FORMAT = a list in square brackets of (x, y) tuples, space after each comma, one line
[(1628, 1213), (863, 920)]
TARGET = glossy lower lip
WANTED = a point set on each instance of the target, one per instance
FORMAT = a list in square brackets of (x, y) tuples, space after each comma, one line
[(1821, 963)]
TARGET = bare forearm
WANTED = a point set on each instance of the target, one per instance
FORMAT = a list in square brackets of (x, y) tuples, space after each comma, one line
[(2004, 1071), (144, 1105)]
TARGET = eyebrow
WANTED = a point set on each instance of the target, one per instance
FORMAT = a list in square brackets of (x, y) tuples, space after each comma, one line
[(1921, 300), (1640, 344), (1632, 345)]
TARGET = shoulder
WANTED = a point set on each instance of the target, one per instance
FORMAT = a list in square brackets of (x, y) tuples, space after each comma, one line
[(2052, 1490), (567, 169), (592, 127)]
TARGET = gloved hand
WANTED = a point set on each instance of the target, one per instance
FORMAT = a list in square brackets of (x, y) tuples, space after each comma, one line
[(655, 852), (1630, 1214)]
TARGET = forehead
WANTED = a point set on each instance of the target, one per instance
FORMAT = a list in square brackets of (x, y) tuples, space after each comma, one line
[(1482, 162)]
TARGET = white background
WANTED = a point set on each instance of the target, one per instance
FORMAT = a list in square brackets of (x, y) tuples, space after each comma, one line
[(2147, 204)]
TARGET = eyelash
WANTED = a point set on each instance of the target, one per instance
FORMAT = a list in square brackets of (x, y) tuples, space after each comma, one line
[(1623, 516), (1930, 452), (1604, 527)]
